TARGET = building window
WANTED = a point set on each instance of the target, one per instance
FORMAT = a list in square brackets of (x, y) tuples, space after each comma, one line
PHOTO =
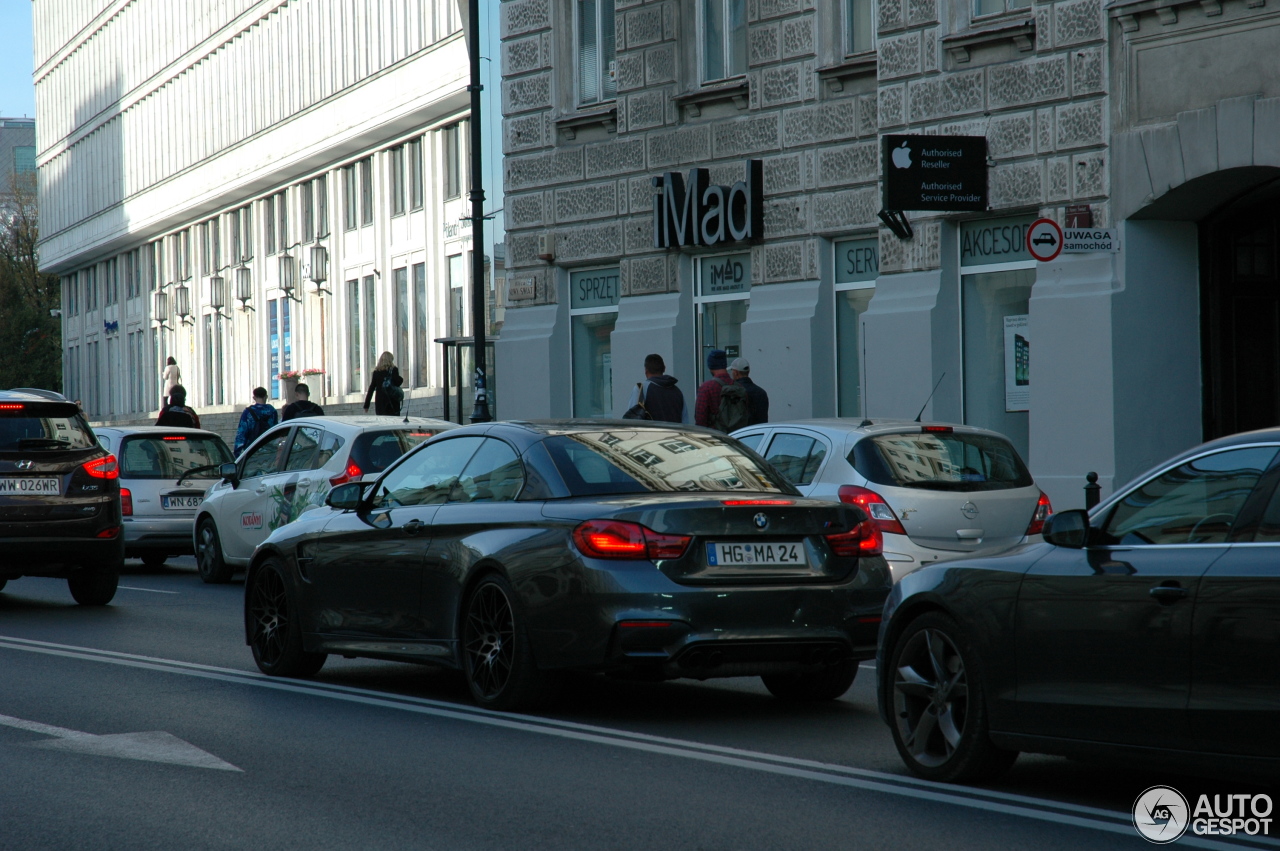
[(366, 191), (421, 338), (246, 233), (308, 212), (400, 278), (593, 312), (154, 280), (996, 276), (597, 79), (91, 289), (354, 372), (857, 265), (211, 247), (721, 299), (395, 158), (113, 281), (69, 298), (269, 224), (214, 393), (860, 26), (415, 174), (996, 7), (349, 197), (724, 39), (237, 250), (282, 219), (457, 318), (370, 324), (24, 159), (280, 335), (451, 139), (322, 206)]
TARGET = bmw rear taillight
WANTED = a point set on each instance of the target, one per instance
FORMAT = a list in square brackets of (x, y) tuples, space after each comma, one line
[(1043, 510), (102, 468), (350, 474), (875, 506), (619, 539), (865, 539), (126, 502)]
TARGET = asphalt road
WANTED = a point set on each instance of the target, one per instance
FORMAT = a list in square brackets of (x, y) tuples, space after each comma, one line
[(146, 725)]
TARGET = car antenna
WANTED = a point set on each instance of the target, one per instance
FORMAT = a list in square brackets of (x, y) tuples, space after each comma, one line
[(406, 410), (930, 399)]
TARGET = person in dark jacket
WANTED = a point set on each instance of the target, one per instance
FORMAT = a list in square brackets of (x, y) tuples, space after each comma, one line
[(302, 406), (386, 375), (662, 398), (757, 399), (176, 414)]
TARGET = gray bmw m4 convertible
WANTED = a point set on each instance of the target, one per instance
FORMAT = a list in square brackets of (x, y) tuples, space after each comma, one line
[(518, 551)]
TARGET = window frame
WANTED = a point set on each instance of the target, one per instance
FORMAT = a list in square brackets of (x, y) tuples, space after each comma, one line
[(848, 34), (396, 180), (451, 160), (726, 44), (604, 73)]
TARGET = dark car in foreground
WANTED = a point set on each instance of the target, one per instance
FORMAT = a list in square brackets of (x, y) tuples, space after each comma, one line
[(1147, 627), (59, 498), (515, 551)]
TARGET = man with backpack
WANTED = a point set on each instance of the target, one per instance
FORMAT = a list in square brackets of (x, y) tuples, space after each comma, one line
[(302, 406), (721, 403), (176, 414), (255, 420), (658, 398)]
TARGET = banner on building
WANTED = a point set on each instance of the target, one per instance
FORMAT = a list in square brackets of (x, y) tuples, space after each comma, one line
[(1017, 364)]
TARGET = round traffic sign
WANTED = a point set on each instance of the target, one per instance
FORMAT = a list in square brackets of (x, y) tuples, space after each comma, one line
[(1044, 239)]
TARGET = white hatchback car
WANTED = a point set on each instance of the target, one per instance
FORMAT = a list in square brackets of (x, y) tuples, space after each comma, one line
[(164, 473), (289, 470), (938, 492)]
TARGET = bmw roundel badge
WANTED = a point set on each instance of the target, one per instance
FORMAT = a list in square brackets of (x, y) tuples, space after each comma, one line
[(761, 521)]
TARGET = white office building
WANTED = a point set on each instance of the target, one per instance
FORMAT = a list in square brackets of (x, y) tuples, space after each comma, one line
[(255, 188)]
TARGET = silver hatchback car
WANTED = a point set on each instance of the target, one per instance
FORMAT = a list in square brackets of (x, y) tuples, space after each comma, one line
[(937, 491), (164, 473)]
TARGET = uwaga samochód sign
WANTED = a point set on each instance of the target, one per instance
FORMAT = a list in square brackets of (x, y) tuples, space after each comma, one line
[(692, 211)]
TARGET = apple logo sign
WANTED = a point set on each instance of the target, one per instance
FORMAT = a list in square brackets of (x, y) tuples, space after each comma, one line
[(902, 156)]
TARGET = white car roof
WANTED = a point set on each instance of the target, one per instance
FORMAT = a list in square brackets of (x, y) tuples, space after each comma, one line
[(359, 423), (122, 431), (857, 426)]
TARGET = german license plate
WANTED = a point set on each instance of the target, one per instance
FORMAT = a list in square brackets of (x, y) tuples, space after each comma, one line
[(178, 502), (776, 554), (29, 486)]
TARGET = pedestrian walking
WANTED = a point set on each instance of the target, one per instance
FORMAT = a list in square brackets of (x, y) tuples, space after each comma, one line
[(176, 414), (172, 378), (757, 399), (384, 388), (255, 420), (301, 406), (721, 404), (658, 398)]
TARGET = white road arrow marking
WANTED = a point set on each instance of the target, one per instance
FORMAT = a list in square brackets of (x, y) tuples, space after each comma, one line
[(155, 746)]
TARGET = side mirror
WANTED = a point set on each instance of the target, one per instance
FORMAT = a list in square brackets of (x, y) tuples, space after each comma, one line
[(1068, 529), (229, 473), (345, 497)]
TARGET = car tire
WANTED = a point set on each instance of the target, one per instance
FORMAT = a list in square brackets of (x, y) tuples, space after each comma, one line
[(91, 587), (275, 631), (213, 568), (938, 708), (497, 657), (154, 560), (828, 684)]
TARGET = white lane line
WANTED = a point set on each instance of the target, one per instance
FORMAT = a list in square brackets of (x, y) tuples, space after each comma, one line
[(153, 746), (150, 590), (37, 727), (1110, 821)]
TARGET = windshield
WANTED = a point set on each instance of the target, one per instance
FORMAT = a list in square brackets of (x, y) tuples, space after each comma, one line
[(156, 456), (43, 426), (375, 451), (625, 461), (946, 461)]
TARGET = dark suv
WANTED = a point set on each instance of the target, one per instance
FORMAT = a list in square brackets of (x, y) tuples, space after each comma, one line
[(59, 497)]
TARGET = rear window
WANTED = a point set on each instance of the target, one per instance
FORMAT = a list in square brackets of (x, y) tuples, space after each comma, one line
[(43, 426), (940, 461), (374, 451), (648, 460), (156, 456)]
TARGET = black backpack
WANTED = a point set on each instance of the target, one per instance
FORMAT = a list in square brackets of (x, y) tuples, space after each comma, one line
[(393, 392)]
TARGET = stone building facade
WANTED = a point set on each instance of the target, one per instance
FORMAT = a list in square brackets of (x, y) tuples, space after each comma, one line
[(1143, 116)]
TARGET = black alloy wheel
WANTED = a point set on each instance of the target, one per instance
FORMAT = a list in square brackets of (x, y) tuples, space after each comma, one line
[(497, 658), (274, 632), (939, 706), (213, 568), (154, 560), (827, 684), (93, 587)]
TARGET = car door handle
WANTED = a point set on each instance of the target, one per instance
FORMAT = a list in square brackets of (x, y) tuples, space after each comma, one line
[(1169, 593), (412, 527), (261, 490)]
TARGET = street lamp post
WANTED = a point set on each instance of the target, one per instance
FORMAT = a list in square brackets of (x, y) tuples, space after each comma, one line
[(479, 319)]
